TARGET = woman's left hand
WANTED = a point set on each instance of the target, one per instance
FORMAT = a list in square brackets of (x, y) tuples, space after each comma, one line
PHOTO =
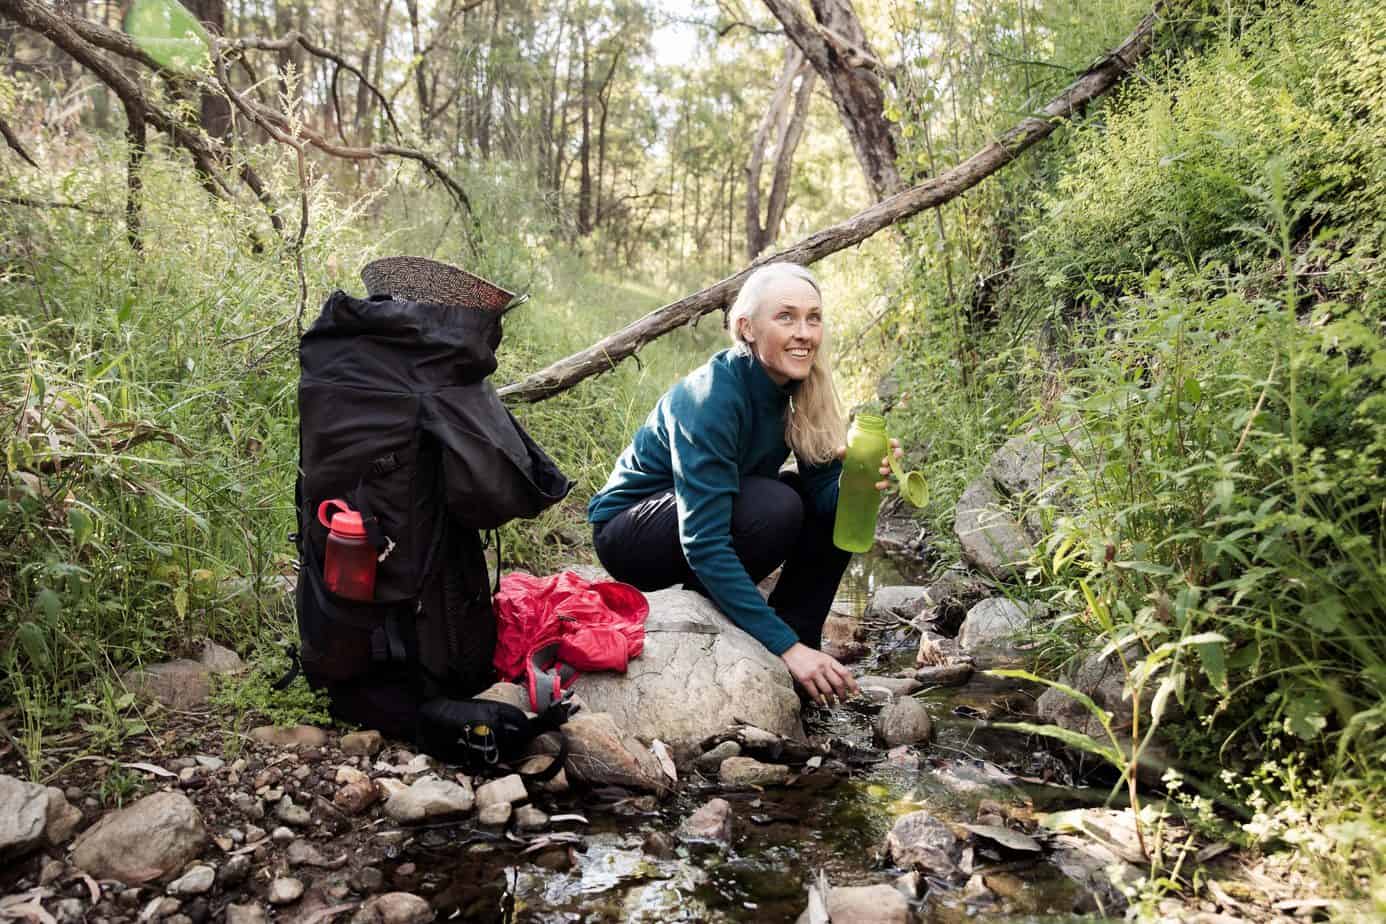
[(895, 450)]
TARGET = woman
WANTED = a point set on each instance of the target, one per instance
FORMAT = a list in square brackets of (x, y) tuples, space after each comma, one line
[(697, 497)]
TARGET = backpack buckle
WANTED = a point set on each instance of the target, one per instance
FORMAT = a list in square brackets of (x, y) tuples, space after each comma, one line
[(481, 740)]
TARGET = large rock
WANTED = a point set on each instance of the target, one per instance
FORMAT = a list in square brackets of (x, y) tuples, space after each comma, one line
[(992, 540), (600, 753), (903, 600), (877, 904), (23, 816), (156, 835), (180, 684), (949, 597), (1102, 678), (698, 674), (990, 629), (844, 638), (1025, 466)]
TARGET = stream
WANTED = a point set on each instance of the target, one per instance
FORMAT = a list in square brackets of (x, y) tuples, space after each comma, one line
[(784, 836)]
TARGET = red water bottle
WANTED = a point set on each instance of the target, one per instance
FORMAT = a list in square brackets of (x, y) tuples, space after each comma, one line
[(348, 567)]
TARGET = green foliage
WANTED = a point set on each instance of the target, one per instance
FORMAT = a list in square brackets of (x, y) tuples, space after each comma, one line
[(1187, 312), (254, 693)]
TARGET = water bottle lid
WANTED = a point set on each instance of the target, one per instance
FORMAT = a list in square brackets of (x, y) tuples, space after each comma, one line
[(345, 522)]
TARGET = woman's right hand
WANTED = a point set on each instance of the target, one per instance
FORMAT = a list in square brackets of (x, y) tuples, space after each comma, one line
[(819, 674)]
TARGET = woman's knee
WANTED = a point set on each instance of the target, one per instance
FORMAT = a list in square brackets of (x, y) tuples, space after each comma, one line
[(767, 517)]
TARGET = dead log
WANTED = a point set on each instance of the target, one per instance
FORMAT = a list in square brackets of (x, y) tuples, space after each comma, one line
[(607, 352)]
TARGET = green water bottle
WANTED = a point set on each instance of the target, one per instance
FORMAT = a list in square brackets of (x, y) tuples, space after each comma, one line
[(857, 498)]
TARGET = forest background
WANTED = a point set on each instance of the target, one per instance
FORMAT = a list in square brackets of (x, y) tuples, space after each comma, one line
[(1179, 292)]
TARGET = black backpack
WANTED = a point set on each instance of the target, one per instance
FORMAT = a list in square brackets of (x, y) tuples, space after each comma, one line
[(396, 417)]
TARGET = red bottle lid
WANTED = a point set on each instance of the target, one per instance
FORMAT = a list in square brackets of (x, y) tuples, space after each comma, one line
[(345, 522)]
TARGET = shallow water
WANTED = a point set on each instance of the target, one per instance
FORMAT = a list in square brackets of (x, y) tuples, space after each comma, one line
[(785, 836)]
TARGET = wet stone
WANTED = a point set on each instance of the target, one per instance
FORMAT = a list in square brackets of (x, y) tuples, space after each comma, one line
[(895, 686), (558, 858), (710, 762), (710, 823), (659, 845), (921, 840), (904, 721), (747, 771), (878, 904), (944, 675)]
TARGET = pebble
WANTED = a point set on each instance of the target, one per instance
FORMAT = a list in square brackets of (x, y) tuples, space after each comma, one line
[(558, 857), (291, 814), (355, 797), (285, 890), (195, 881), (529, 818), (281, 835), (209, 763), (347, 775), (52, 870), (367, 880), (289, 736), (362, 743), (399, 908), (234, 871), (70, 911), (245, 914), (430, 798), (509, 789), (302, 853), (248, 805), (254, 834)]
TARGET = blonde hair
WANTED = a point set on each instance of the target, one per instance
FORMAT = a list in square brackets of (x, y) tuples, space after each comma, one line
[(813, 428)]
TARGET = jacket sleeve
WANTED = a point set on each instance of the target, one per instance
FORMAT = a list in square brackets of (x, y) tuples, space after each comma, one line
[(820, 484), (704, 436)]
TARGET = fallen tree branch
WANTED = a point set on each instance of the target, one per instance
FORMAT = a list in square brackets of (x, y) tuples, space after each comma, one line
[(607, 352)]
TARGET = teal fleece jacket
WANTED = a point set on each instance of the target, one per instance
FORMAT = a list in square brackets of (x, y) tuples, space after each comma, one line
[(721, 423)]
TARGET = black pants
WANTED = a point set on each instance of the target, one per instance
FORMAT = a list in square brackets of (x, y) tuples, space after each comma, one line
[(771, 526)]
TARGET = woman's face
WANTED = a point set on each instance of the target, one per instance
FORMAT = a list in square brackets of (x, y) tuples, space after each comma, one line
[(786, 331)]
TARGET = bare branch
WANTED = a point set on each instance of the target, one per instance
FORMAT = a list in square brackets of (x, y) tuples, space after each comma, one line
[(289, 40), (606, 353), (15, 144), (26, 202)]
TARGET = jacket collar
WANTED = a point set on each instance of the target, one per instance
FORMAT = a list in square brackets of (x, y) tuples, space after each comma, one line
[(763, 388)]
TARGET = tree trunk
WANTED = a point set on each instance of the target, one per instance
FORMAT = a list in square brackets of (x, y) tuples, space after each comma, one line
[(215, 113), (603, 355), (788, 126), (584, 220), (836, 46)]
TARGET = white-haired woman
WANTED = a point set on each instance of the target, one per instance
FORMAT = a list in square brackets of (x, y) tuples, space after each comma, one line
[(697, 498)]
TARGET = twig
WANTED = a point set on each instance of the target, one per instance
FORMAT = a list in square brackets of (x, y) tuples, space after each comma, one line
[(15, 144), (1260, 402)]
